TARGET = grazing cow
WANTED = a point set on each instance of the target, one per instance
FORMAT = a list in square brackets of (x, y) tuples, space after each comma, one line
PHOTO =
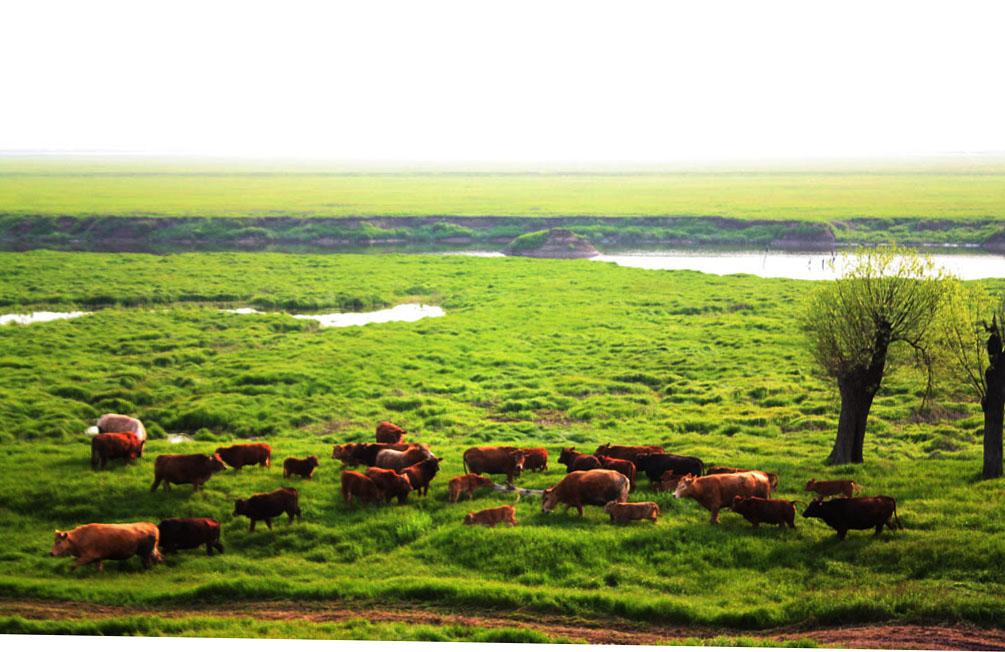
[(265, 507), (97, 542), (766, 510), (713, 492), (669, 481), (196, 469), (489, 517), (845, 514), (240, 455), (353, 454), (594, 487), (357, 484), (388, 433), (122, 423), (655, 465), (535, 459), (421, 474), (832, 487), (494, 459), (719, 470), (630, 453), (183, 533), (390, 483), (397, 460), (624, 512), (467, 483), (576, 461), (621, 466), (302, 467), (114, 445)]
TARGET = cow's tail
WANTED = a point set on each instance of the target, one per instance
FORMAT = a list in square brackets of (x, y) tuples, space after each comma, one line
[(895, 519), (95, 455), (774, 480), (797, 501), (464, 461)]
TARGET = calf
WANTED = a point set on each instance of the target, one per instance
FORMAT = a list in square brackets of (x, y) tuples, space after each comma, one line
[(265, 507), (845, 514), (183, 533), (97, 542), (240, 455), (115, 445), (489, 517), (494, 459), (196, 469), (421, 474), (624, 512), (304, 468), (766, 510), (390, 483), (624, 467), (575, 461), (832, 487), (388, 433), (466, 483), (357, 484)]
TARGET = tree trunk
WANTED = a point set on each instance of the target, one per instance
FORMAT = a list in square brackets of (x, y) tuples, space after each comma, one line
[(858, 387), (993, 405)]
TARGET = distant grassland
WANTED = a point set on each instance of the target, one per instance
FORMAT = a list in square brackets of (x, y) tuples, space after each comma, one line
[(531, 352), (811, 193)]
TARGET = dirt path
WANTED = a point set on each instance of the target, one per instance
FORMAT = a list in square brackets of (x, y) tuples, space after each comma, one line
[(604, 631)]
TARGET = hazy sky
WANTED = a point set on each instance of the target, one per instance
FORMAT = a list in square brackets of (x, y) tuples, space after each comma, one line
[(525, 81)]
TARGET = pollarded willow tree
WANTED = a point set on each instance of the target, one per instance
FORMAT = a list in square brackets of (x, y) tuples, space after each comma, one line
[(885, 297)]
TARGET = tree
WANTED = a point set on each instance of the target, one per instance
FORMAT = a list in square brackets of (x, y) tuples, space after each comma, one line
[(885, 298), (969, 342)]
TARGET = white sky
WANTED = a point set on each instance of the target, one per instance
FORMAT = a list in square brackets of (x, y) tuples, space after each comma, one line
[(504, 81)]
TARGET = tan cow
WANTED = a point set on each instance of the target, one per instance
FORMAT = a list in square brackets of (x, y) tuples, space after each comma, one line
[(719, 470), (466, 483), (489, 517), (97, 542), (398, 460), (624, 512), (833, 487), (713, 492)]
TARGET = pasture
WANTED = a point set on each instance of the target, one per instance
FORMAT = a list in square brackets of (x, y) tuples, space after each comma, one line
[(530, 352)]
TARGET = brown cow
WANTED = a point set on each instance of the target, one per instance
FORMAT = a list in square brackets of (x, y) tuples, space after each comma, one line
[(719, 470), (113, 446), (535, 459), (766, 510), (713, 492), (122, 423), (353, 454), (630, 453), (240, 455), (669, 481), (390, 483), (845, 514), (302, 467), (624, 512), (494, 459), (489, 517), (196, 469), (833, 487), (388, 433), (398, 460), (182, 533), (466, 483), (421, 474), (594, 487), (265, 507), (357, 484), (576, 461), (97, 542), (621, 466)]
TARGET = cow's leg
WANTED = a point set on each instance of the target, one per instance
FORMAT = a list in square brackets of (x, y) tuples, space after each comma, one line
[(252, 525), (580, 508), (157, 481), (842, 534), (889, 523), (268, 522), (879, 528), (715, 515), (218, 546), (209, 548)]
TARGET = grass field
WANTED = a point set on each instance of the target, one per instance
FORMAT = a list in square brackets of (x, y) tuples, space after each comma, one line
[(537, 352)]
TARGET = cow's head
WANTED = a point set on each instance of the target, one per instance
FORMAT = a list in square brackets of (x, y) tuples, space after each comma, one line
[(609, 507), (684, 486), (548, 500), (737, 504), (478, 481), (518, 459), (61, 545), (567, 455), (312, 461), (338, 451), (240, 506), (402, 483), (216, 464), (811, 485), (814, 509), (470, 519)]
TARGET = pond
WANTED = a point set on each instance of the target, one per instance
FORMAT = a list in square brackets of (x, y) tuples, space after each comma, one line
[(401, 312)]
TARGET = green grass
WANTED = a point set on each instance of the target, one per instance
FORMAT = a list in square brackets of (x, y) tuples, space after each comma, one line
[(536, 352)]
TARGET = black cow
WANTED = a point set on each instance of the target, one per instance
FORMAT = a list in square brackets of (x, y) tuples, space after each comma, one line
[(656, 464), (845, 514)]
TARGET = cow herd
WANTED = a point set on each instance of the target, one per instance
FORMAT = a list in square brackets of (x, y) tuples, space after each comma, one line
[(394, 469)]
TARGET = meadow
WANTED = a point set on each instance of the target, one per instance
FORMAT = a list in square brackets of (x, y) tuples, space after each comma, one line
[(530, 352)]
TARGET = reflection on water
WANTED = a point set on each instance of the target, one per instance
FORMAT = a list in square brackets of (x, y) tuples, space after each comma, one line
[(402, 312), (39, 316)]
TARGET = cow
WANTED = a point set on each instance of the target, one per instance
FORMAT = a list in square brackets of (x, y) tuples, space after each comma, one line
[(719, 470), (194, 469), (669, 481), (766, 510), (357, 484), (390, 483), (112, 446), (97, 542), (630, 453), (265, 507), (388, 433), (302, 467), (421, 474), (535, 459), (713, 492), (240, 455), (576, 461), (621, 466), (594, 487), (122, 423), (832, 487), (624, 512), (466, 483), (655, 465), (489, 517), (397, 460), (494, 459), (183, 533), (862, 513), (353, 454)]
